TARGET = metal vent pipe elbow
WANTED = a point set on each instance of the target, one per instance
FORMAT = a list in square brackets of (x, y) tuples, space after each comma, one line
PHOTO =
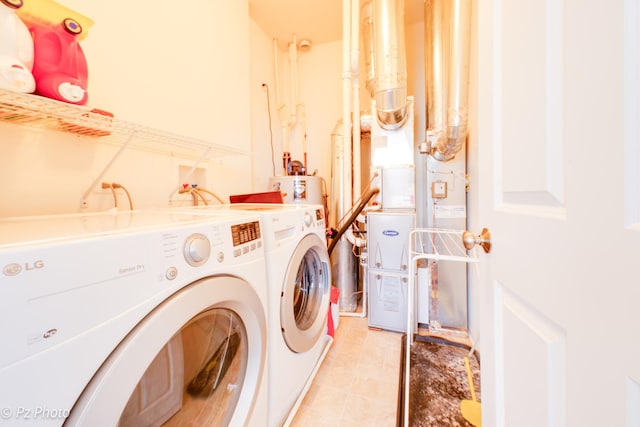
[(390, 63), (447, 51)]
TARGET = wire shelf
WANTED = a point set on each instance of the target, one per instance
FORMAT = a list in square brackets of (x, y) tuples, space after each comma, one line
[(439, 245), (40, 112)]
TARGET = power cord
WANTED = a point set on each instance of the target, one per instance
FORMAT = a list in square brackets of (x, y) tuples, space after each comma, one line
[(113, 186), (113, 192), (273, 162)]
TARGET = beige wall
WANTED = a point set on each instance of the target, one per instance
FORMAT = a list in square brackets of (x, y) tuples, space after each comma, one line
[(181, 70), (193, 74), (264, 125), (320, 91), (184, 69)]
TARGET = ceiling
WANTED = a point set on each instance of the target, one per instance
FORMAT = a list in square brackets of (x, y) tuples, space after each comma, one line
[(318, 21)]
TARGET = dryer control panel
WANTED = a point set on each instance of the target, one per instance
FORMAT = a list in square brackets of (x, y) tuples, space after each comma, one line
[(246, 237)]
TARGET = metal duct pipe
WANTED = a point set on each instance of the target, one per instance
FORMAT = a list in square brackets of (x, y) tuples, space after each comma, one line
[(366, 25), (344, 275), (435, 73), (447, 38), (390, 63)]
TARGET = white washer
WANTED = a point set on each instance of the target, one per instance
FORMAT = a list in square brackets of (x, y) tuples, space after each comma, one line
[(299, 273), (136, 318), (299, 281)]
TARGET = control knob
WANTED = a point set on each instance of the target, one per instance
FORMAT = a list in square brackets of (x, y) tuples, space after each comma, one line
[(197, 249), (308, 219)]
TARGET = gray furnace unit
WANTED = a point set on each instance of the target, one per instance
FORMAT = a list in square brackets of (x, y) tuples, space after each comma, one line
[(388, 263)]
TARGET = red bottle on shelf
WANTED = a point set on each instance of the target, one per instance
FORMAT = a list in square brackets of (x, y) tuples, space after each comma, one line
[(59, 65)]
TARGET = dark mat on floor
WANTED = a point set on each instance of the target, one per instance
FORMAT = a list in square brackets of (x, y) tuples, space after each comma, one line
[(438, 383)]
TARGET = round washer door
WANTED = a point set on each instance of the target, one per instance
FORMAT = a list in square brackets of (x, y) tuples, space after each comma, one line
[(196, 359), (304, 301)]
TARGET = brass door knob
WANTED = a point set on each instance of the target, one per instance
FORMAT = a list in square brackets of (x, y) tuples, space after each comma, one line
[(469, 240)]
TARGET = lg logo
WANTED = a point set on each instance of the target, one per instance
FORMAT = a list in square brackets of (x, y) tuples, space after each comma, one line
[(15, 268)]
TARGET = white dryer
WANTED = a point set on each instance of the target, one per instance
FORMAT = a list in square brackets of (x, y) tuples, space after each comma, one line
[(299, 282), (133, 318)]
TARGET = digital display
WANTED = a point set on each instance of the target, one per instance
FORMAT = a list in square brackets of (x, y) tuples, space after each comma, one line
[(246, 232)]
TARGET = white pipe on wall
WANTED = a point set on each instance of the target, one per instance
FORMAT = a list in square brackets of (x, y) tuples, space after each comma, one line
[(285, 131), (293, 61), (355, 72), (288, 117), (302, 118), (282, 114), (346, 186), (337, 209)]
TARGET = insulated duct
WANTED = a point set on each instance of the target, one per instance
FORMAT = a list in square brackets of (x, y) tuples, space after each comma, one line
[(447, 33), (366, 25), (390, 63)]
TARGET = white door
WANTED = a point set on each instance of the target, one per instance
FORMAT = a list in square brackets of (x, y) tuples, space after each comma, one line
[(555, 164)]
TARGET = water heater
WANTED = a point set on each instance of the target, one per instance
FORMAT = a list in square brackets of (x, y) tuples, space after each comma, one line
[(299, 189)]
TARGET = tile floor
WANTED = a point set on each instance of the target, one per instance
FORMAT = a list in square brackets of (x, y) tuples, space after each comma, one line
[(357, 385)]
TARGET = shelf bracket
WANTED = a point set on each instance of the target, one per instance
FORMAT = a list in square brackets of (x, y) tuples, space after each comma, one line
[(85, 196)]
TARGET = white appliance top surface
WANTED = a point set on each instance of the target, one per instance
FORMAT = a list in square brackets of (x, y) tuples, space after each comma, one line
[(21, 231)]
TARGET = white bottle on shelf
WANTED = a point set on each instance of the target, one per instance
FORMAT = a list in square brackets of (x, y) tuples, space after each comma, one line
[(16, 50)]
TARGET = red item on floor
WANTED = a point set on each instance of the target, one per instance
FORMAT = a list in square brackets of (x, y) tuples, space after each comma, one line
[(335, 295), (333, 299), (330, 329)]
